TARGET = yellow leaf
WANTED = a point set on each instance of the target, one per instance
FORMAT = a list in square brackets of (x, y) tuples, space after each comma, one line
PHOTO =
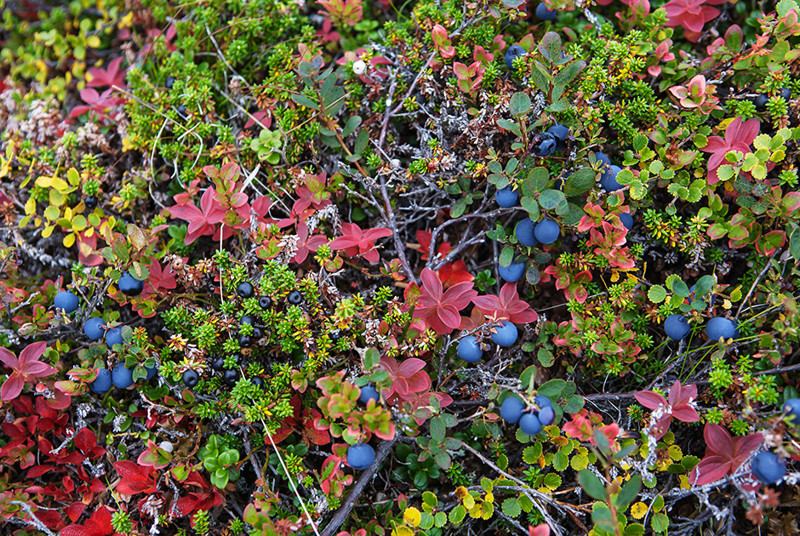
[(684, 481), (489, 497), (469, 502), (638, 510), (675, 453), (614, 276), (412, 516), (47, 231), (402, 531), (460, 492), (52, 213), (73, 176), (78, 222), (93, 41), (55, 197), (69, 240), (85, 249), (43, 182), (727, 304), (59, 184), (30, 206)]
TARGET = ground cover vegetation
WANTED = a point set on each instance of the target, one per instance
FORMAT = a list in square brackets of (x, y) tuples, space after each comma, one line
[(398, 268)]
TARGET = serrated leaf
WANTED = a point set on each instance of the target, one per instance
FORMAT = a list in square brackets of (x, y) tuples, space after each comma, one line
[(657, 294), (511, 507)]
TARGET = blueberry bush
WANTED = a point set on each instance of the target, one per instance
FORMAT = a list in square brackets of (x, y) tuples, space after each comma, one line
[(433, 267)]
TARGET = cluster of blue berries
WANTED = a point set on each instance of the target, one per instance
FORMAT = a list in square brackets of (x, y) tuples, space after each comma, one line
[(768, 467), (677, 328), (361, 455), (610, 171), (95, 329), (531, 420), (505, 335)]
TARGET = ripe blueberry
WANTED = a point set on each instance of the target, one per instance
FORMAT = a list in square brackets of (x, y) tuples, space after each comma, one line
[(295, 297), (512, 409), (229, 376), (245, 289), (547, 231), (511, 273), (524, 232), (505, 335), (360, 456), (609, 179), (265, 302), (626, 219), (560, 132), (103, 381), (121, 376), (93, 328), (768, 468), (720, 327), (129, 285), (543, 144), (258, 381), (151, 372), (546, 416), (190, 378), (169, 82), (506, 197), (761, 101), (530, 424), (90, 201), (792, 409), (368, 393), (114, 336), (514, 52), (543, 401), (66, 301), (544, 13), (218, 363), (469, 350), (676, 327)]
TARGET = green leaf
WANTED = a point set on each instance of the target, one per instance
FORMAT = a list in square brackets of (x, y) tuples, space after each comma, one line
[(550, 46), (459, 207), (552, 480), (552, 389), (680, 288), (351, 125), (546, 357), (303, 100), (440, 519), (506, 256), (519, 104), (361, 142), (438, 429), (579, 182), (541, 78), (510, 126), (659, 522), (560, 461), (592, 485), (629, 492), (511, 507), (639, 142), (634, 529), (549, 199), (574, 404), (568, 73), (371, 358), (657, 294), (530, 205), (704, 285), (532, 453)]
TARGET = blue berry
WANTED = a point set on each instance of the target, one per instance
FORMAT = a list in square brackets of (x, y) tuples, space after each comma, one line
[(785, 94), (114, 336), (530, 424), (512, 409), (626, 219), (768, 467), (505, 335), (190, 378), (169, 82), (560, 132), (360, 456), (511, 273), (151, 372), (514, 52), (761, 101), (103, 381), (506, 197), (720, 327), (129, 285), (121, 377), (543, 401), (66, 301), (792, 409), (676, 327), (544, 13), (547, 416), (469, 350), (265, 302), (368, 393), (245, 290), (295, 297), (93, 328), (543, 144), (547, 231), (601, 157), (230, 376), (609, 179), (524, 232)]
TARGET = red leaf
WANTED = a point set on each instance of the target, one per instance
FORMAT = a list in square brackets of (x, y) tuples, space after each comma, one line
[(650, 400)]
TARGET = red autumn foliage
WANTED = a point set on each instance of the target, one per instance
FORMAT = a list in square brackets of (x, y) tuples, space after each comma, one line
[(356, 242), (439, 308), (724, 454), (506, 306), (135, 478), (679, 406), (25, 369)]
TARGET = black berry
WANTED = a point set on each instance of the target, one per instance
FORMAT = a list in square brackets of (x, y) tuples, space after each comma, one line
[(246, 319), (245, 290), (229, 376), (218, 363), (245, 341), (257, 381), (90, 201), (170, 82), (295, 297), (265, 302), (190, 378)]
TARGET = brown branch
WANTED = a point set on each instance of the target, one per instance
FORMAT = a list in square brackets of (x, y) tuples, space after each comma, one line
[(341, 514)]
